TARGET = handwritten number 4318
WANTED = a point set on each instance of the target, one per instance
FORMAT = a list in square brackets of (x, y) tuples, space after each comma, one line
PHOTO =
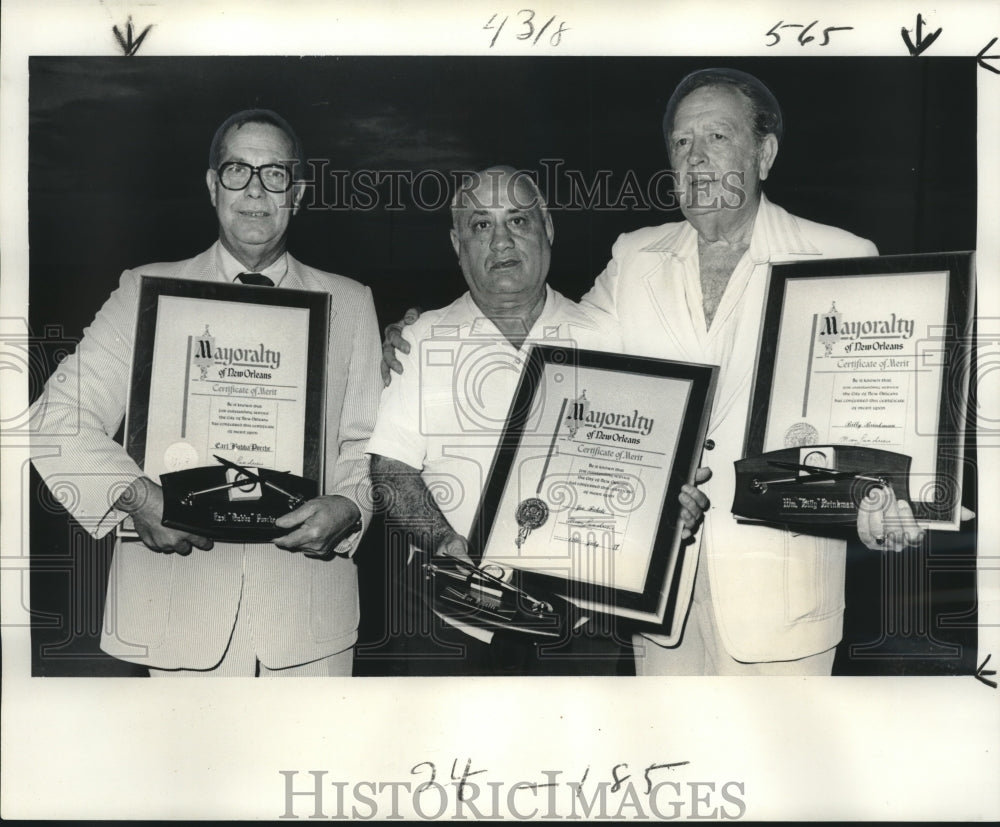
[(804, 36), (530, 30)]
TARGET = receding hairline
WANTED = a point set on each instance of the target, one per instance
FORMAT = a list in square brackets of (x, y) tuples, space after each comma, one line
[(263, 117), (739, 94), (234, 130), (496, 177), (764, 110)]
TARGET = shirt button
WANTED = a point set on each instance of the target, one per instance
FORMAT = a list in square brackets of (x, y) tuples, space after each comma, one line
[(709, 444)]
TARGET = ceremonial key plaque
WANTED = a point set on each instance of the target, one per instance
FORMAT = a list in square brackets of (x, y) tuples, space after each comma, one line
[(862, 380), (226, 403), (582, 498)]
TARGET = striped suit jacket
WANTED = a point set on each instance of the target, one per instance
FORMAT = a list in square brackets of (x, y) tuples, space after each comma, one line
[(169, 611)]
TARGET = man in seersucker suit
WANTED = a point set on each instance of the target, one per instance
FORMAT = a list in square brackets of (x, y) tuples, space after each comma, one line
[(177, 602)]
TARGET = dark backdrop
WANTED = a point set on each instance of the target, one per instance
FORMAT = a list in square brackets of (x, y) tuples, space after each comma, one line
[(883, 147)]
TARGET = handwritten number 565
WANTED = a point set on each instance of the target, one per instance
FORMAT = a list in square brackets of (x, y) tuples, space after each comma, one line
[(804, 36)]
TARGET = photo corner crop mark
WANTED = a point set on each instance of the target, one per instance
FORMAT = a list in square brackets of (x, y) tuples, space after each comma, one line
[(128, 42)]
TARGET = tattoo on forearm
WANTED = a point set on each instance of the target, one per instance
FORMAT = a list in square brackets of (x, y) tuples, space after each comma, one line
[(405, 499)]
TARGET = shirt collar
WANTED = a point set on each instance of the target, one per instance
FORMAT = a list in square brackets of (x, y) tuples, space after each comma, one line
[(227, 264), (480, 324), (775, 234)]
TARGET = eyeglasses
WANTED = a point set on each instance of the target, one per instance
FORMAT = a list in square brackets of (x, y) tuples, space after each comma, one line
[(235, 175)]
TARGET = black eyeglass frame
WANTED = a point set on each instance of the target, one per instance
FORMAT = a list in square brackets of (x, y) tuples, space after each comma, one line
[(255, 171)]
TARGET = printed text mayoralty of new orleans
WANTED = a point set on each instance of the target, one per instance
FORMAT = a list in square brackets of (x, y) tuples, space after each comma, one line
[(893, 326)]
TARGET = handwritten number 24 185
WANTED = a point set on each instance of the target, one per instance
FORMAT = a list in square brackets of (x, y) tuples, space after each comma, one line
[(529, 29), (804, 36)]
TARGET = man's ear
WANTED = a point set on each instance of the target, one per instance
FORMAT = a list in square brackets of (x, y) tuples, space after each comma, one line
[(454, 242), (550, 229), (298, 189), (211, 181), (765, 158)]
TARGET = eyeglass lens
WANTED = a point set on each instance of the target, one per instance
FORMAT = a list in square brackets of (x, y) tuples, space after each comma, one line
[(235, 175)]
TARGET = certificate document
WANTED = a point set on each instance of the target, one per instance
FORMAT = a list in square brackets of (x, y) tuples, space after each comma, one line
[(229, 371), (871, 353), (853, 367), (583, 492), (220, 386)]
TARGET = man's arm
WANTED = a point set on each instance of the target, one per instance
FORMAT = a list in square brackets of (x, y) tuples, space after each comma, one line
[(408, 500), (887, 524), (143, 499), (318, 528), (82, 406), (335, 522)]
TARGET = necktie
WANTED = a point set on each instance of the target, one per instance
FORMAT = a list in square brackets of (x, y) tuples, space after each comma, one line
[(255, 278)]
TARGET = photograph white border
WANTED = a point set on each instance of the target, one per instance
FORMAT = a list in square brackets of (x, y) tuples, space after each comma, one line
[(804, 748)]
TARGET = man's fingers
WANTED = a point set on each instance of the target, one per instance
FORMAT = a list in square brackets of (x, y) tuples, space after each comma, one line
[(877, 500), (866, 518), (694, 498), (703, 474), (460, 553), (391, 342), (169, 541), (887, 524), (690, 514), (690, 518), (394, 338), (295, 540), (694, 503), (304, 531), (899, 526), (181, 547), (390, 364), (296, 517), (906, 525), (389, 359), (456, 547), (967, 514), (298, 520)]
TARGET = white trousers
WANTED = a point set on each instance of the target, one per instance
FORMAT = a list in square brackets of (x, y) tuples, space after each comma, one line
[(702, 652)]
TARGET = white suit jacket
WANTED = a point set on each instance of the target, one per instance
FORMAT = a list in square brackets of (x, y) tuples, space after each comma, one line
[(776, 595), (171, 611)]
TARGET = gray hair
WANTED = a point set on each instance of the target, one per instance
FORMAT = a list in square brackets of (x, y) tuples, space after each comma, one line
[(471, 181), (265, 116), (764, 106)]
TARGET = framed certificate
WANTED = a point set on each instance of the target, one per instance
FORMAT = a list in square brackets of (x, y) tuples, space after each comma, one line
[(871, 353), (582, 498), (235, 374)]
